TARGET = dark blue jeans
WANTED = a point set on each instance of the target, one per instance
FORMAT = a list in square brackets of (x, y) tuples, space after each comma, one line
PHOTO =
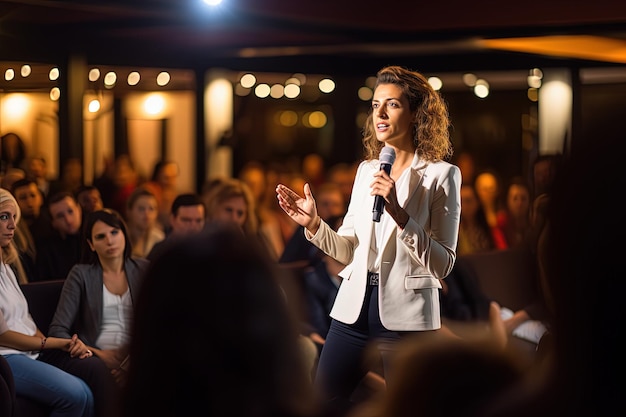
[(342, 363)]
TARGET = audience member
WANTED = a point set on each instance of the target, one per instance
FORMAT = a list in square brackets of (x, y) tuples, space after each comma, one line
[(60, 251), (12, 152), (30, 200), (544, 170), (515, 221), (144, 229), (89, 199), (35, 213), (21, 342), (164, 184), (97, 304), (105, 182), (231, 201), (330, 201), (188, 216), (474, 231), (250, 365), (488, 190), (37, 170), (532, 318), (125, 180)]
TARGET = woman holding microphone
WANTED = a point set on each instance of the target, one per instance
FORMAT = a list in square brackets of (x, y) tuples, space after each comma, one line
[(394, 259)]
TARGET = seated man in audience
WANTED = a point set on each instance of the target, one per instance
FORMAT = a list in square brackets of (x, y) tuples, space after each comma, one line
[(32, 204), (89, 198), (57, 254), (187, 217)]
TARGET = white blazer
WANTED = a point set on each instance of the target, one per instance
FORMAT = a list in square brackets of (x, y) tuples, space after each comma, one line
[(413, 259)]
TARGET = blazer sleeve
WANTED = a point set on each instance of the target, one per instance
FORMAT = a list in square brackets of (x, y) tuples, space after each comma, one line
[(68, 308), (340, 245)]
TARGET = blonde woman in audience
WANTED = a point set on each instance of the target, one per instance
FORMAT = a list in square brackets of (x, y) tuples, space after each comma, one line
[(231, 201), (144, 229)]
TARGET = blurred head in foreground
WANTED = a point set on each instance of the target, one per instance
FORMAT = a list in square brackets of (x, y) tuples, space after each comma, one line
[(223, 340)]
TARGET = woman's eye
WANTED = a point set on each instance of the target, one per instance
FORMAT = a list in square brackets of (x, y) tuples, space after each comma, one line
[(4, 217)]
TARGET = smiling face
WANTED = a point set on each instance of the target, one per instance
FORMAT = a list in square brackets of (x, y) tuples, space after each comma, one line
[(391, 115), (107, 241)]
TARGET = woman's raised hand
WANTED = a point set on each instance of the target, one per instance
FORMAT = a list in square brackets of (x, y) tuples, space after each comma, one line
[(301, 209)]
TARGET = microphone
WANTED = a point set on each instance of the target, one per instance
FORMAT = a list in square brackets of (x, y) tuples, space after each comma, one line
[(387, 157)]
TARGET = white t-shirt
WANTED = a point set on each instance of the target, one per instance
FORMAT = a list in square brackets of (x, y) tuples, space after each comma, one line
[(116, 317), (14, 313)]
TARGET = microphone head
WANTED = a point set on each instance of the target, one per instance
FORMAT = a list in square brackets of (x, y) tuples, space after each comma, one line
[(387, 155)]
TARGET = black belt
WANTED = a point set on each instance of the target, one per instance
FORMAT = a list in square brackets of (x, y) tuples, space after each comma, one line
[(372, 278)]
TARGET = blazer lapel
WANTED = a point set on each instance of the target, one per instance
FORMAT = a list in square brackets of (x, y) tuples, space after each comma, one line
[(418, 172)]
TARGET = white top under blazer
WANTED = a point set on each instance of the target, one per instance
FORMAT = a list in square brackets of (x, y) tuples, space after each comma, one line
[(412, 260)]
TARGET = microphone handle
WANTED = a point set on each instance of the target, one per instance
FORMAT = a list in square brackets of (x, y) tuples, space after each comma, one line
[(379, 201)]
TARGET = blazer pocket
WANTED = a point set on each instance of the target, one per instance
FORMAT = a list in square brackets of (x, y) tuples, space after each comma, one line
[(418, 282)]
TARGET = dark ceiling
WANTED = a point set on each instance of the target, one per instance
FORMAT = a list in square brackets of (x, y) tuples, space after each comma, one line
[(325, 36)]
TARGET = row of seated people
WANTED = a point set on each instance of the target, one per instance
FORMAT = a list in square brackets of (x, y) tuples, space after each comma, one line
[(48, 238)]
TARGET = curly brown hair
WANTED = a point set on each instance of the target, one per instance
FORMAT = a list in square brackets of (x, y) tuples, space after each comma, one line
[(430, 116)]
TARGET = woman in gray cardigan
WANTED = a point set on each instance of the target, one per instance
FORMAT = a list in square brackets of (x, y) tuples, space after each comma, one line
[(97, 304)]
